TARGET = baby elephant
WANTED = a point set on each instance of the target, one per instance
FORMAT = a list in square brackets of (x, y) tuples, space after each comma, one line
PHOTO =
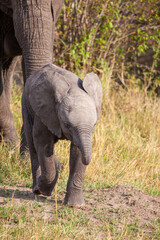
[(57, 104)]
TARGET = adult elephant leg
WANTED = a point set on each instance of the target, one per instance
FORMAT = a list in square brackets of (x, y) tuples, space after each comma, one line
[(44, 141), (74, 195), (28, 127), (6, 117), (9, 48)]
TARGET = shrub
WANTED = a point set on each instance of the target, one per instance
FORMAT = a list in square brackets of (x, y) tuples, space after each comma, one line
[(121, 35)]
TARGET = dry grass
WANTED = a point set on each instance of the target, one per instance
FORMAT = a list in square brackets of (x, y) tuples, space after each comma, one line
[(126, 143)]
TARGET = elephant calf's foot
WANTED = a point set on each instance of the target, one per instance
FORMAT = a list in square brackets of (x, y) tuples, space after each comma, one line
[(43, 188), (74, 199)]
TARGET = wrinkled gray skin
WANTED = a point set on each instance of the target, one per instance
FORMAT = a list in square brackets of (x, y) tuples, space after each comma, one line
[(58, 105), (26, 27)]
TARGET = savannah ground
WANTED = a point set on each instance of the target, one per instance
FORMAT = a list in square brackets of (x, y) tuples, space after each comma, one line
[(122, 183)]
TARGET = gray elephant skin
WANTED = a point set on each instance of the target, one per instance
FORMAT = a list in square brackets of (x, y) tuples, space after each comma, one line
[(57, 104), (27, 28)]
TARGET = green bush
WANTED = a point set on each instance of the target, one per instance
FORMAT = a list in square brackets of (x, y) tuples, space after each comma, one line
[(121, 35)]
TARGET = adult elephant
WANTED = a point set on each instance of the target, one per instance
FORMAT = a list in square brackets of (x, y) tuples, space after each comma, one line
[(26, 27)]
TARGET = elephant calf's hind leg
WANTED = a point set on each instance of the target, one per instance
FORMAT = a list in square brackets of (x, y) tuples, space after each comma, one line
[(43, 141)]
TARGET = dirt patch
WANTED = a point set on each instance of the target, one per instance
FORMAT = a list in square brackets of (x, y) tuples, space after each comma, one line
[(121, 202), (126, 201)]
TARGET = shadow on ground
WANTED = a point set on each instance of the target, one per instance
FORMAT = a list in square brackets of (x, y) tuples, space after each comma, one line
[(22, 193)]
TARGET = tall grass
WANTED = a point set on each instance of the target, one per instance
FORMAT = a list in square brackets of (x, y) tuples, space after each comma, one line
[(126, 143)]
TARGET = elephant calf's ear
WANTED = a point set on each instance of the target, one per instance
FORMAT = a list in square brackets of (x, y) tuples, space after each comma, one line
[(92, 86), (45, 93)]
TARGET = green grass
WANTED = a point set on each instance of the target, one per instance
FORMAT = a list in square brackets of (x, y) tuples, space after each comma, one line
[(29, 221), (126, 150)]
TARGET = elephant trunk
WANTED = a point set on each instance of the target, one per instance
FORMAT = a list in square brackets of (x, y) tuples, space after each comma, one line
[(86, 148), (34, 28), (35, 62)]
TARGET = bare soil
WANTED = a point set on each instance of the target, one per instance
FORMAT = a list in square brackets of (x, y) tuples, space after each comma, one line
[(123, 203), (125, 199)]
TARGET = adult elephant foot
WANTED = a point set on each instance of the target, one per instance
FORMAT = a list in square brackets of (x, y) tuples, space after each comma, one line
[(45, 188), (8, 131), (10, 138)]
